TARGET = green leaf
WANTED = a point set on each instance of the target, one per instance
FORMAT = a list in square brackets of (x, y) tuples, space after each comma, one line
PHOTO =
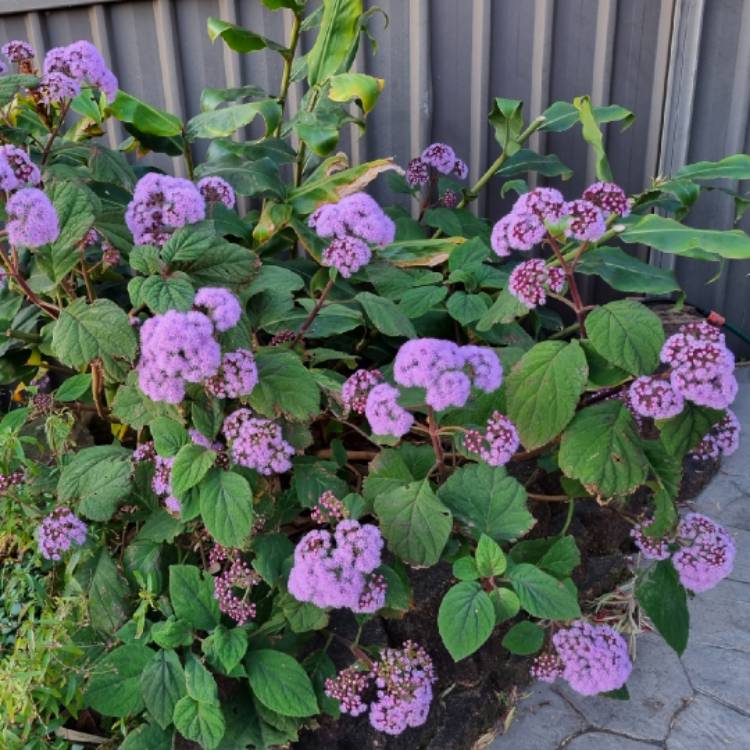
[(394, 467), (10, 85), (386, 316), (168, 434), (626, 273), (682, 433), (312, 477), (239, 39), (593, 136), (134, 408), (505, 309), (227, 646), (75, 213), (191, 464), (416, 302), (201, 722), (220, 123), (466, 619), (74, 388), (506, 117), (670, 236), (562, 558), (524, 638), (162, 293), (256, 178), (285, 386), (227, 507), (192, 595), (526, 160), (162, 685), (487, 501), (414, 522), (347, 86), (561, 116), (302, 616), (602, 450), (543, 389), (490, 558), (735, 167), (336, 40), (114, 688), (148, 737), (663, 598), (99, 482), (627, 334), (86, 331), (466, 308), (108, 592), (171, 633), (506, 604), (271, 552), (147, 119), (280, 683), (541, 595), (200, 684), (465, 569)]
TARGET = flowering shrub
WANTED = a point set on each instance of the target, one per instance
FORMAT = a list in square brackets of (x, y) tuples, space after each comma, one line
[(237, 428)]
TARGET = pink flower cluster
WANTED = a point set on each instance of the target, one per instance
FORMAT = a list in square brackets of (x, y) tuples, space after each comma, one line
[(13, 479), (220, 305), (385, 415), (16, 169), (654, 397), (236, 576), (497, 444), (237, 376), (55, 87), (32, 219), (347, 254), (217, 190), (530, 280), (440, 157), (329, 510), (257, 443), (724, 438), (590, 658), (58, 531), (705, 553), (335, 569), (702, 365), (83, 63), (18, 51), (356, 388), (348, 688), (160, 205)]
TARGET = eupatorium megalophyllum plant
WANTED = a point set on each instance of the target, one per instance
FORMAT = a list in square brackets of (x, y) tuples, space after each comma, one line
[(229, 424)]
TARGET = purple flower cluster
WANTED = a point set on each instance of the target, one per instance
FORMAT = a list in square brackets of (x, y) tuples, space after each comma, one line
[(655, 397), (706, 554), (651, 547), (16, 169), (32, 219), (530, 280), (585, 221), (724, 438), (446, 371), (237, 376), (18, 51), (590, 658), (217, 190), (55, 87), (58, 531), (702, 365), (161, 482), (329, 510), (335, 569), (13, 479), (355, 215), (347, 255), (220, 305), (385, 415), (176, 348), (160, 205), (440, 157), (257, 443), (238, 575), (356, 388), (608, 197), (497, 444), (403, 680), (82, 62)]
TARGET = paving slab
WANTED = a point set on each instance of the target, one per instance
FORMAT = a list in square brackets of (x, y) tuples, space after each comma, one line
[(604, 741), (707, 725)]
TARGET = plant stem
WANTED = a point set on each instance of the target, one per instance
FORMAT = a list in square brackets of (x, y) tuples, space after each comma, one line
[(188, 154), (16, 275), (286, 75), (55, 132), (313, 313), (435, 438), (577, 305), (568, 517), (572, 328), (547, 498), (299, 167), (30, 338)]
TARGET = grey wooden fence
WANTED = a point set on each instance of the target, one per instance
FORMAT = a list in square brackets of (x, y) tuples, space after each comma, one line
[(681, 65)]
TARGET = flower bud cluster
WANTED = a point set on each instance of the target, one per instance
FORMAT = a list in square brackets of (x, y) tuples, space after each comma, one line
[(217, 190), (357, 387), (529, 281), (12, 479), (723, 439), (497, 444), (329, 510), (336, 569), (440, 157), (233, 585)]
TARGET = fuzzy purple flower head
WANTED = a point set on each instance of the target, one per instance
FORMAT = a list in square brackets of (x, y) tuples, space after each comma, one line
[(707, 553), (652, 548), (608, 197), (257, 443), (347, 255), (337, 569), (385, 415), (499, 241), (547, 204), (221, 306), (160, 205), (16, 169), (594, 657), (356, 388), (655, 398), (440, 156), (217, 190), (18, 51), (497, 444), (585, 221), (529, 281), (460, 169), (58, 531), (716, 392), (83, 62), (176, 347), (484, 366), (237, 376), (724, 438), (55, 87), (417, 172), (357, 215), (32, 219)]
